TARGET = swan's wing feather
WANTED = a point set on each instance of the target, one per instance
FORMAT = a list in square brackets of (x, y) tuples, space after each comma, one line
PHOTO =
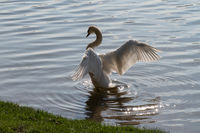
[(127, 55), (90, 63), (82, 69)]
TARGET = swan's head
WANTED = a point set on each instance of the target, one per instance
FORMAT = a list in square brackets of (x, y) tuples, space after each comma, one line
[(94, 30), (91, 30)]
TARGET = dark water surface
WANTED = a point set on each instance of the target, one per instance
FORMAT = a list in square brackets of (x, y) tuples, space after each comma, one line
[(41, 42)]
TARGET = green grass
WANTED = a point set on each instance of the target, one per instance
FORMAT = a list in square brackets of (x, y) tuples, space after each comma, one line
[(16, 119)]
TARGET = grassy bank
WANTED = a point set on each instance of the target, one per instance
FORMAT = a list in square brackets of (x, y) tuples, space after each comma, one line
[(16, 119)]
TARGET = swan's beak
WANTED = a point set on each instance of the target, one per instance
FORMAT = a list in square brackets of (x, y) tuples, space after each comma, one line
[(88, 34)]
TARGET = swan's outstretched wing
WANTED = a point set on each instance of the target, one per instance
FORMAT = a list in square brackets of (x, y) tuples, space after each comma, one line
[(127, 55), (91, 63)]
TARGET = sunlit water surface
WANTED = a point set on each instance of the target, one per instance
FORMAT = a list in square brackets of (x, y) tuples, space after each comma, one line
[(41, 43)]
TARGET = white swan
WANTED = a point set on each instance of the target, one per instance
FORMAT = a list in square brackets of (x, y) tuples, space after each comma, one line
[(100, 66)]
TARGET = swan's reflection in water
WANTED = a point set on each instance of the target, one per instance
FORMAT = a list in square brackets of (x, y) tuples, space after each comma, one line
[(118, 106)]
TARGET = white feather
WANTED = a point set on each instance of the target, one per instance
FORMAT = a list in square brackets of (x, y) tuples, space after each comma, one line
[(91, 64), (99, 67), (127, 55)]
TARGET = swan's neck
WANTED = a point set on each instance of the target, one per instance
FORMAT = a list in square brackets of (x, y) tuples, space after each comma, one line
[(98, 40)]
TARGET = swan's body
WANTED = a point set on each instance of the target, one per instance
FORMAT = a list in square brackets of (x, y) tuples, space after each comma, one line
[(99, 67)]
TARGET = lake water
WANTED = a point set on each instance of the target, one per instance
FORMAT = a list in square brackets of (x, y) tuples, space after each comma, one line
[(42, 42)]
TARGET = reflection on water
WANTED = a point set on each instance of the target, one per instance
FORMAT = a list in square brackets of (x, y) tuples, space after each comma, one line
[(112, 105)]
